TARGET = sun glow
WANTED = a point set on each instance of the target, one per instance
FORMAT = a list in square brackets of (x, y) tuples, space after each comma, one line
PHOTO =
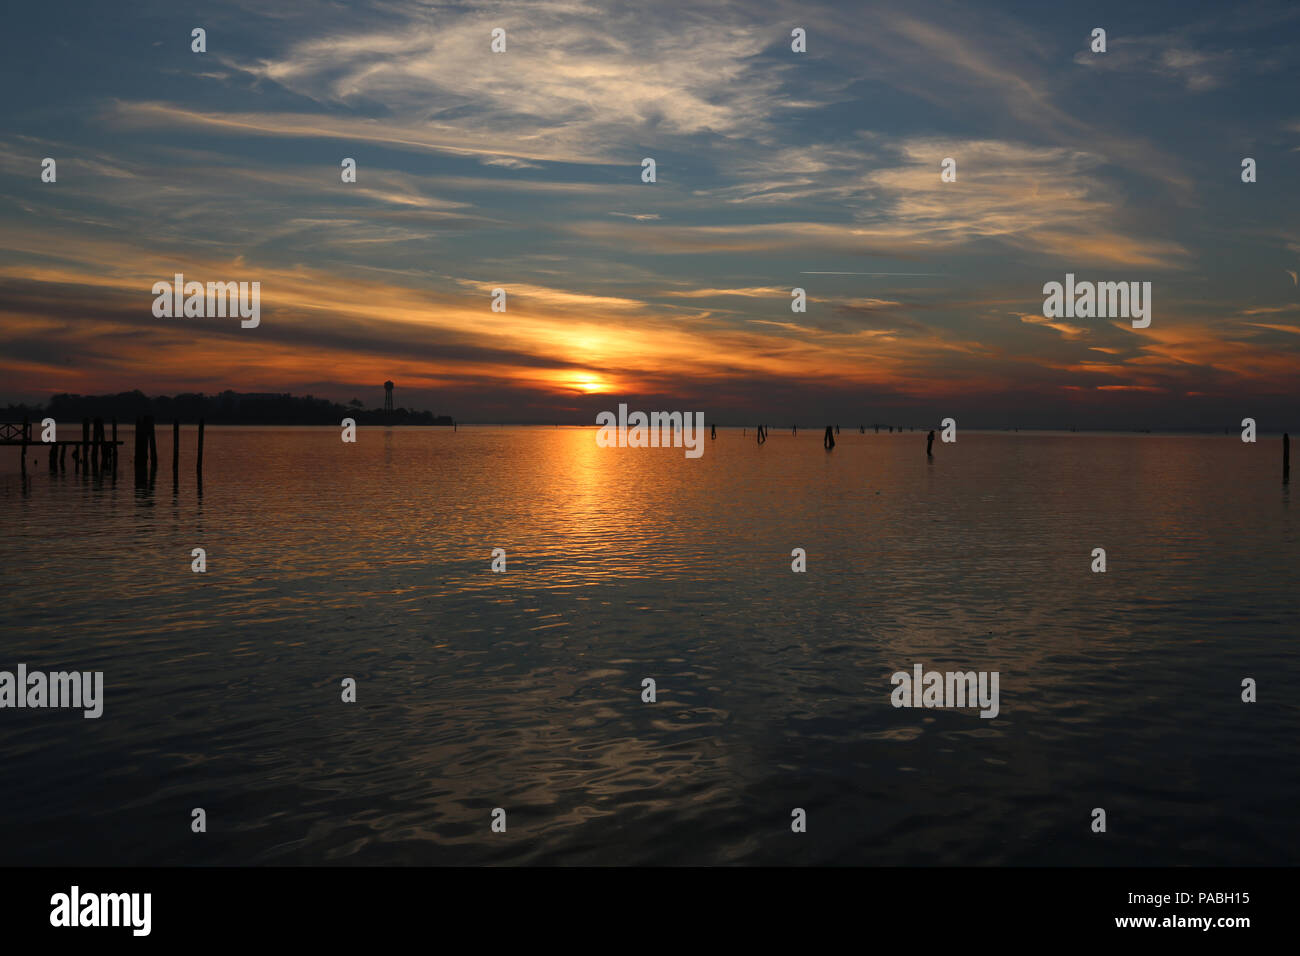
[(589, 384)]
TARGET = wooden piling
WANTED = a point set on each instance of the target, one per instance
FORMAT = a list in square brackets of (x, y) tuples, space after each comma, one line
[(828, 440), (198, 462), (929, 443), (153, 445), (1286, 457), (115, 448), (22, 449), (141, 449), (63, 449), (176, 446), (85, 446)]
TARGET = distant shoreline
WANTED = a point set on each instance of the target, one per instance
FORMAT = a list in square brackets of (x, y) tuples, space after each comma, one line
[(284, 410), (224, 408), (809, 433)]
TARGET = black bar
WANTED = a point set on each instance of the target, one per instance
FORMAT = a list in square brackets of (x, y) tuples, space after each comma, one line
[(982, 909)]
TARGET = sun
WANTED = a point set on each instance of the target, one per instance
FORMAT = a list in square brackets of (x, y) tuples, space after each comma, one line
[(589, 385)]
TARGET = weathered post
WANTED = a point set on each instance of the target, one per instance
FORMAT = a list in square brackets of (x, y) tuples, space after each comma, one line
[(828, 441), (141, 449), (176, 454), (153, 446), (198, 462)]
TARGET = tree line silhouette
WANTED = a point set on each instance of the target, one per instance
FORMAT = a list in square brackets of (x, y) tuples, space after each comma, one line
[(225, 408)]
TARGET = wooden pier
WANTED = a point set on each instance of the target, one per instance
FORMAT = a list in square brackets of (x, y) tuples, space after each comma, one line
[(95, 452)]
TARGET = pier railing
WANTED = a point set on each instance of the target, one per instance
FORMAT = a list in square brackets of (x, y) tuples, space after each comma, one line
[(15, 432)]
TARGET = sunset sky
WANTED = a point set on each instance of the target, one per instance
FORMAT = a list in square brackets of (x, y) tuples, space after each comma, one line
[(523, 170)]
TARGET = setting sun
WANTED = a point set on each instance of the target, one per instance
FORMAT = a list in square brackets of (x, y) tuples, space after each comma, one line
[(589, 385)]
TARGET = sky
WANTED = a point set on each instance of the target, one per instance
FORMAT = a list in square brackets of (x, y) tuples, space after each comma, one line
[(775, 170)]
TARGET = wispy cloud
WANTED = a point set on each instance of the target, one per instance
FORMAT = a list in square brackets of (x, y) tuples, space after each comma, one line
[(522, 170)]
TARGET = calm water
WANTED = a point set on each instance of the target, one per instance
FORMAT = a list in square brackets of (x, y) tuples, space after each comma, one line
[(522, 690)]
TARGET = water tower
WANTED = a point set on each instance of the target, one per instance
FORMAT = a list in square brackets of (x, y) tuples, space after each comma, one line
[(388, 398)]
